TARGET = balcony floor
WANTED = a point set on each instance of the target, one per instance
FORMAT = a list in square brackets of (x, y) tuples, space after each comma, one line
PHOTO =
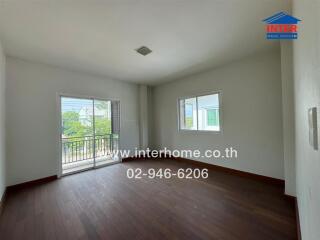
[(86, 164)]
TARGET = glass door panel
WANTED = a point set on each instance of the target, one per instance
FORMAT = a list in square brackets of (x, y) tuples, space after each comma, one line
[(103, 132), (77, 136)]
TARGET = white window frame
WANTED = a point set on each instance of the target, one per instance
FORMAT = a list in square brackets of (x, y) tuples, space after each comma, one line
[(219, 93)]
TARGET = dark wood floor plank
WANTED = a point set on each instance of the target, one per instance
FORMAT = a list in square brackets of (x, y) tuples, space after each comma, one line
[(105, 204)]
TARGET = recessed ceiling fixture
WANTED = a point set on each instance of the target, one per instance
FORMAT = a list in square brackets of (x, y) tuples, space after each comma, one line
[(143, 50)]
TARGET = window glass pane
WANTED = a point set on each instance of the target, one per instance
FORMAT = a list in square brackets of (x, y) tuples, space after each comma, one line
[(102, 116), (77, 119), (77, 140), (208, 112), (188, 113)]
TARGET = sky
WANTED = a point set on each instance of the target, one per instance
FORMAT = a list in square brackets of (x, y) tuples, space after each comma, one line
[(74, 104)]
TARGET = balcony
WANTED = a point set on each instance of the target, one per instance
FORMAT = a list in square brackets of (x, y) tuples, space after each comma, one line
[(81, 153)]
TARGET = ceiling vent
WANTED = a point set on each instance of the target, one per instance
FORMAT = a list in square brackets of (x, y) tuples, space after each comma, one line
[(143, 50)]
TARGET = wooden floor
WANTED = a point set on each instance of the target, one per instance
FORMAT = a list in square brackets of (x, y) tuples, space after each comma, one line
[(105, 204)]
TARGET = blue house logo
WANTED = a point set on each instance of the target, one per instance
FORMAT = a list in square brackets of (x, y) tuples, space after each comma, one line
[(281, 26)]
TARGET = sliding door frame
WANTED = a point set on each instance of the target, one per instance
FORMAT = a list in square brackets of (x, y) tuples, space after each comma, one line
[(59, 96)]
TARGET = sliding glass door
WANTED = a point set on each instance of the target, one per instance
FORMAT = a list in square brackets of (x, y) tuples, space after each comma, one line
[(106, 129), (89, 133)]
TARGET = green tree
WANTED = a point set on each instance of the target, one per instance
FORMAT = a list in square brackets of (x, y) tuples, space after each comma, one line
[(72, 126), (103, 126)]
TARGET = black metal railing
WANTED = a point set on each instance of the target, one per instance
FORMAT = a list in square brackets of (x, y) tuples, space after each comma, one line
[(75, 149)]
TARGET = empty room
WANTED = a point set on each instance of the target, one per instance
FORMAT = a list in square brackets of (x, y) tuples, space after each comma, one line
[(159, 119)]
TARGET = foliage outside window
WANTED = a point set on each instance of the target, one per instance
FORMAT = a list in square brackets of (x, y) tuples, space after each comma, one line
[(77, 118)]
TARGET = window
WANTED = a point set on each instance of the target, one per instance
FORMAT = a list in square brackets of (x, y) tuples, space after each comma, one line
[(188, 108), (200, 113)]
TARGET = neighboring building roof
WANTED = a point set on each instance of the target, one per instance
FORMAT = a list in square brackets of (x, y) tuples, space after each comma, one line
[(281, 18)]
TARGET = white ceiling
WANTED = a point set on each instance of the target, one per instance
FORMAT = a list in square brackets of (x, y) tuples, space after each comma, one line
[(99, 37)]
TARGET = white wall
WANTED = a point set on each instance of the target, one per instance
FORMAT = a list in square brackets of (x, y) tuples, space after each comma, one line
[(32, 114), (2, 124), (307, 94), (288, 117), (251, 114)]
